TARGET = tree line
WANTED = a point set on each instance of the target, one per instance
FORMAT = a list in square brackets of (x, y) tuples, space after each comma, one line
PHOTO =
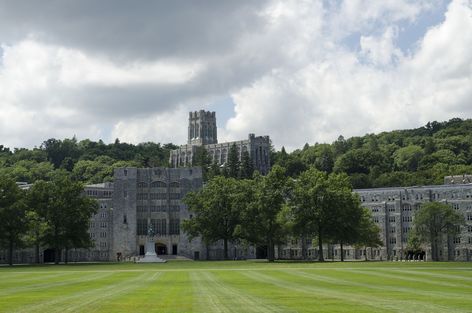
[(409, 157), (53, 213), (421, 156), (87, 161), (266, 210)]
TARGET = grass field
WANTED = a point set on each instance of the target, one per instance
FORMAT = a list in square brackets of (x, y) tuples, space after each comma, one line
[(239, 286)]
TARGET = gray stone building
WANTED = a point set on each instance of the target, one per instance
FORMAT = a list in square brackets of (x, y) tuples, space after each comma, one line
[(393, 211), (202, 132), (137, 199), (153, 197)]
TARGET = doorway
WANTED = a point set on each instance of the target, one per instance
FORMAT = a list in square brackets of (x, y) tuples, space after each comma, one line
[(141, 250), (261, 252), (49, 256), (174, 249), (161, 249)]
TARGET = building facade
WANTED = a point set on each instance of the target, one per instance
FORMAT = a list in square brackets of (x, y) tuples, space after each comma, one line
[(393, 210), (202, 132), (140, 198)]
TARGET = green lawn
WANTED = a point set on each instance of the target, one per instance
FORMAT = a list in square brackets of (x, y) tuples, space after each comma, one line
[(239, 286)]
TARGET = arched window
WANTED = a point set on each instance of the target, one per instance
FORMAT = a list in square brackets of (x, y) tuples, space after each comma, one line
[(174, 184), (158, 184)]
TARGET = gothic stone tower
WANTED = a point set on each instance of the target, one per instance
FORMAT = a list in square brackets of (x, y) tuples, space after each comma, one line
[(202, 128)]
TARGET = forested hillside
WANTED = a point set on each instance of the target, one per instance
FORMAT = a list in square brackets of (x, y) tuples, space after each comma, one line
[(87, 161), (398, 158)]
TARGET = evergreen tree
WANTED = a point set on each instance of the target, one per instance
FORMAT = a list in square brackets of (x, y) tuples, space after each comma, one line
[(247, 166), (233, 163)]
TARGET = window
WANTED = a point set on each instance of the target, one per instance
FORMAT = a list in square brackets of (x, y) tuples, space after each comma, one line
[(141, 228), (391, 219), (469, 216), (376, 219), (392, 240), (174, 227), (142, 196), (406, 207), (457, 240), (158, 184), (469, 228), (392, 230), (407, 219)]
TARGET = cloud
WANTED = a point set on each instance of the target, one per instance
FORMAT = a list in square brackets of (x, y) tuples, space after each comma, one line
[(113, 69), (338, 93)]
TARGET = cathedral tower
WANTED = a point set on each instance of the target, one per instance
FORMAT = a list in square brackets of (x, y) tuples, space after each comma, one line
[(202, 128)]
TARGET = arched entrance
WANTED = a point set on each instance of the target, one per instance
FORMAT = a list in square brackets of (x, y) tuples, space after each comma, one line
[(161, 249), (49, 256)]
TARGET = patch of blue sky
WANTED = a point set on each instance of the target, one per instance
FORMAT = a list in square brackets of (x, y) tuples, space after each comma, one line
[(224, 108), (411, 33)]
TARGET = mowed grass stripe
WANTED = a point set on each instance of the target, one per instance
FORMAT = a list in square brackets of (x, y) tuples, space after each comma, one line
[(449, 277), (171, 292), (78, 299), (60, 282), (207, 300), (391, 276), (249, 302), (8, 282), (366, 282), (378, 303)]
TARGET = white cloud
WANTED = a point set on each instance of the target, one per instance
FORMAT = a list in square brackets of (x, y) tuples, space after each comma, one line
[(41, 87), (381, 50), (336, 93), (285, 64)]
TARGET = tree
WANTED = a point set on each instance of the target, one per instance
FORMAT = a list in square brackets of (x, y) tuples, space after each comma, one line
[(12, 216), (216, 211), (247, 166), (66, 211), (348, 214), (434, 220), (408, 158), (233, 163), (201, 158), (323, 205), (369, 233), (263, 220)]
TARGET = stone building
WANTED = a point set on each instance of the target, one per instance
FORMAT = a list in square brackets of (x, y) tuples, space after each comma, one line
[(393, 211), (153, 196), (138, 198), (202, 132)]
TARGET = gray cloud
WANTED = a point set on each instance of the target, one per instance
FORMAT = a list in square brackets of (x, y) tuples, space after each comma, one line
[(129, 29)]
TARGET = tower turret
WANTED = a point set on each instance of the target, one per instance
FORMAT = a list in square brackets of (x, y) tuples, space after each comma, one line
[(202, 128)]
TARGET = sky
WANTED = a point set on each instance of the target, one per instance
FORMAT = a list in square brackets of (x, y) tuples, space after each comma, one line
[(298, 71)]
